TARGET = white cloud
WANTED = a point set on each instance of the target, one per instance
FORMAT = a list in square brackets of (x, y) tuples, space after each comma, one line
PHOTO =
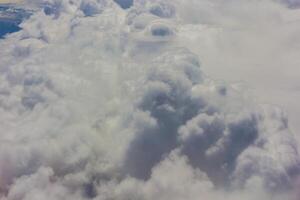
[(255, 42), (105, 103)]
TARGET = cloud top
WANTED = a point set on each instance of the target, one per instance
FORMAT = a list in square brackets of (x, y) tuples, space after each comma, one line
[(100, 102)]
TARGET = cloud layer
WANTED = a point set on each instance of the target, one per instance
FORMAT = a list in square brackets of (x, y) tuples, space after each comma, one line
[(100, 102)]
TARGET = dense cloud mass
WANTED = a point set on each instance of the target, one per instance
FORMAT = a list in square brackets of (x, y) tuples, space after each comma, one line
[(101, 102)]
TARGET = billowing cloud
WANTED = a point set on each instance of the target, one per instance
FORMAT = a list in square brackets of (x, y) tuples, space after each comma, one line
[(100, 102)]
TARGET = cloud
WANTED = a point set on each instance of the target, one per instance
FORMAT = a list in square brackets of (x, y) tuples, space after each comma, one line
[(236, 45), (292, 3), (100, 102)]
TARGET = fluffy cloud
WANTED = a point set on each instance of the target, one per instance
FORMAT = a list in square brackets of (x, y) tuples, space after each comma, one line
[(105, 103), (250, 42)]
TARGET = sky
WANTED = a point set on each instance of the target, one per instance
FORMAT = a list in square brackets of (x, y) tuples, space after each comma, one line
[(151, 99)]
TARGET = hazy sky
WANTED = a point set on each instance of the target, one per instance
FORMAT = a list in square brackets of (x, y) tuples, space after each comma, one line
[(10, 1)]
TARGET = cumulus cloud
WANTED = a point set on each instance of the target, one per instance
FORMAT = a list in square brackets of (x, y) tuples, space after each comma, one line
[(251, 42), (101, 102)]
